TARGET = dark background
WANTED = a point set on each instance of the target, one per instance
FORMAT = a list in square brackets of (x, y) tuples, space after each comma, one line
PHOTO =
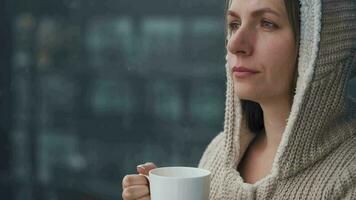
[(90, 89)]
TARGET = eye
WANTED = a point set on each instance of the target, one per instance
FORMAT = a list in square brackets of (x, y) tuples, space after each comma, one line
[(268, 25), (233, 26)]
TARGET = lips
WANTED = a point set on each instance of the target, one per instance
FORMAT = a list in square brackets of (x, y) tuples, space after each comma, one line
[(243, 72), (243, 69)]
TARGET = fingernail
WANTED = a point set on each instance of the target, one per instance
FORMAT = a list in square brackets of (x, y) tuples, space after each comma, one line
[(140, 167)]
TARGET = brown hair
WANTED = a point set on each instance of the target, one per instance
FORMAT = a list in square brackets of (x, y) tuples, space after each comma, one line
[(252, 111)]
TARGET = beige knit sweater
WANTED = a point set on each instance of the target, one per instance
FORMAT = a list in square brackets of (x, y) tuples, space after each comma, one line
[(316, 158)]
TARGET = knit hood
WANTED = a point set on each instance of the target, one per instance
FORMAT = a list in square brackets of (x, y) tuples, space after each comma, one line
[(321, 104)]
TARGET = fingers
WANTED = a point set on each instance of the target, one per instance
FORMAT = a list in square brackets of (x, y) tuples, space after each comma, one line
[(136, 187), (133, 179), (135, 192), (145, 168), (145, 198)]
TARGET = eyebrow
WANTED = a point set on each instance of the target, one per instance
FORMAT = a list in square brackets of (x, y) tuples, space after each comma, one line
[(256, 12)]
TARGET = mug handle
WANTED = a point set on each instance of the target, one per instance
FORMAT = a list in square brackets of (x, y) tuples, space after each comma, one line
[(147, 177)]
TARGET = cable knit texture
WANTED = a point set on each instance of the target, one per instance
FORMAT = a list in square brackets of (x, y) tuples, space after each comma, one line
[(316, 158)]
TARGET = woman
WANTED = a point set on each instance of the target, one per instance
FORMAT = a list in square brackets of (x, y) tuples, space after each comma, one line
[(290, 126)]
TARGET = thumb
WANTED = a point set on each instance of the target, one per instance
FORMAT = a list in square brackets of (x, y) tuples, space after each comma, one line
[(145, 168)]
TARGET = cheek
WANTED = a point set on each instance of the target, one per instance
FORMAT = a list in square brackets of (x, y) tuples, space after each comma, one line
[(278, 53), (278, 61), (278, 50)]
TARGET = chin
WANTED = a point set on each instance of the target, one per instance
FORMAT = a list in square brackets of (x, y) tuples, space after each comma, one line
[(246, 94)]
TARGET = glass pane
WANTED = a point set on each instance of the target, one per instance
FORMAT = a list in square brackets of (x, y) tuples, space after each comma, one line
[(93, 88)]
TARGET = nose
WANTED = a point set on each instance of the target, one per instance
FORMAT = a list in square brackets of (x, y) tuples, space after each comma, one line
[(241, 42)]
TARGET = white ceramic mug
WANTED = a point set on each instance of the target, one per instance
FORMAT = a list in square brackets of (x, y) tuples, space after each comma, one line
[(179, 183)]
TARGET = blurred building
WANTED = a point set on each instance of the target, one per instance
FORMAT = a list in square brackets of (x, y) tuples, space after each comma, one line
[(93, 88)]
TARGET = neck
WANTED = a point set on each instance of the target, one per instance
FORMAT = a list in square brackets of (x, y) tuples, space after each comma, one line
[(275, 115)]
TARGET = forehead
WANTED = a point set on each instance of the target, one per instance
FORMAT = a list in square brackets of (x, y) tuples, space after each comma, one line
[(251, 5)]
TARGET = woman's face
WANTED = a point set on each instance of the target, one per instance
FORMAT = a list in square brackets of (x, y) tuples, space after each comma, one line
[(261, 39)]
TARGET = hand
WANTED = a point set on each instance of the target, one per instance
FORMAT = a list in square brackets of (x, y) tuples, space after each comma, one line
[(136, 186)]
